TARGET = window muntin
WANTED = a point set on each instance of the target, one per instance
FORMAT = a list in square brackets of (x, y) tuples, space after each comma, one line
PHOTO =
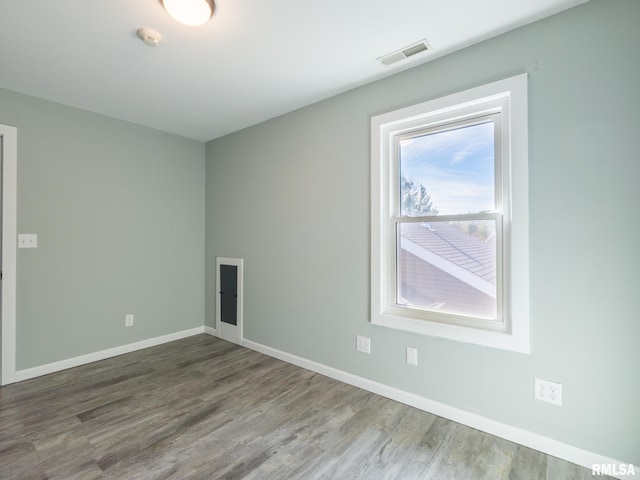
[(498, 215)]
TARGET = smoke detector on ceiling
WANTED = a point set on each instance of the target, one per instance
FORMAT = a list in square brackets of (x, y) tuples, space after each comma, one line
[(406, 52), (150, 37)]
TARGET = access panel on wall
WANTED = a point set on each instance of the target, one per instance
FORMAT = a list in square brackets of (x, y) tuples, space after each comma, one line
[(229, 278), (229, 294)]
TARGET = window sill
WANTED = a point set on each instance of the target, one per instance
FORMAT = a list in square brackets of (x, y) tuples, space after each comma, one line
[(516, 341)]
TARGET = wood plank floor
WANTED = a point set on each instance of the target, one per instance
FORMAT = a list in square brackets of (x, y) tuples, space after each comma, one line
[(202, 408)]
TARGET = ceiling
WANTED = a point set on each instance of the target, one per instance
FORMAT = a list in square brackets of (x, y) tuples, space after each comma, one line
[(253, 60)]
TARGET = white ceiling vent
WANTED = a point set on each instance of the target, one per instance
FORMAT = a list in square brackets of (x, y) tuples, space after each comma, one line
[(406, 52)]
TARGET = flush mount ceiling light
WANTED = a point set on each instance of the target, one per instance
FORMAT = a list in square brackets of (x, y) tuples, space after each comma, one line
[(189, 12)]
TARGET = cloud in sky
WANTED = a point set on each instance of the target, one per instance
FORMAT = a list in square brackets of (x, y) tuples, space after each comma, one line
[(455, 166)]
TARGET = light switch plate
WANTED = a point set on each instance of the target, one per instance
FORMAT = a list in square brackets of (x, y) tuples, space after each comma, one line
[(412, 356), (27, 240)]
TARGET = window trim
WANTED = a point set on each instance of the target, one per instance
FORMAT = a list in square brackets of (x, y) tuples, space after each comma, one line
[(511, 93)]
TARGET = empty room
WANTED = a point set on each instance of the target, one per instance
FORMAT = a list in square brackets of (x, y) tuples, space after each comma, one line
[(320, 240)]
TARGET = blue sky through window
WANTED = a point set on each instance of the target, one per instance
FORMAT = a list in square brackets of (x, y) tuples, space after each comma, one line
[(455, 166)]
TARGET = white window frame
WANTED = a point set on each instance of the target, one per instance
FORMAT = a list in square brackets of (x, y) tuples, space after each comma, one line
[(508, 97)]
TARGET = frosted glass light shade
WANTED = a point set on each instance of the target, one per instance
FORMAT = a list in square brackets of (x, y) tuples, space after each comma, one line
[(189, 12)]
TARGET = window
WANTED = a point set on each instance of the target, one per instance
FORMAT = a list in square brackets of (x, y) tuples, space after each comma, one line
[(450, 217)]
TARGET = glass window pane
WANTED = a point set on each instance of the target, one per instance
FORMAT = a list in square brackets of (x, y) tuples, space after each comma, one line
[(449, 172), (449, 267)]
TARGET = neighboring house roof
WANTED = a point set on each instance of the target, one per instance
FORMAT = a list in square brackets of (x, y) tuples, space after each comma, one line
[(464, 256)]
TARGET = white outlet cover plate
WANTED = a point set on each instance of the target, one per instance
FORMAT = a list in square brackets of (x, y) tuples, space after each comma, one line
[(363, 344), (547, 391), (27, 240)]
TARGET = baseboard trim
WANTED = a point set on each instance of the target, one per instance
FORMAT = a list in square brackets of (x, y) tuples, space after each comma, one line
[(210, 330), (104, 354), (517, 435)]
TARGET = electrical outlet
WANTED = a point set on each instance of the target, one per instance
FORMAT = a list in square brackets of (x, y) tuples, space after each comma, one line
[(363, 344), (128, 320), (27, 240), (412, 356), (547, 391)]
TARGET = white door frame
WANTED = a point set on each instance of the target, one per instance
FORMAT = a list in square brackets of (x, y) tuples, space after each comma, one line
[(9, 137), (225, 331)]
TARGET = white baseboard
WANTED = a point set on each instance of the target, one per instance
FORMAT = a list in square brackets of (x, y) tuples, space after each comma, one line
[(210, 330), (103, 354), (523, 437)]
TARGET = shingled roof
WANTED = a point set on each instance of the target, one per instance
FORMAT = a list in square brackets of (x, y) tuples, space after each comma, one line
[(449, 245)]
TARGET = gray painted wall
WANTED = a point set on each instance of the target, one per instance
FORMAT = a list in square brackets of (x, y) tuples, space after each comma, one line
[(119, 213), (291, 197)]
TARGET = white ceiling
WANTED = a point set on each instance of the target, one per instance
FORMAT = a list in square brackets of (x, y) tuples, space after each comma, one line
[(252, 61)]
